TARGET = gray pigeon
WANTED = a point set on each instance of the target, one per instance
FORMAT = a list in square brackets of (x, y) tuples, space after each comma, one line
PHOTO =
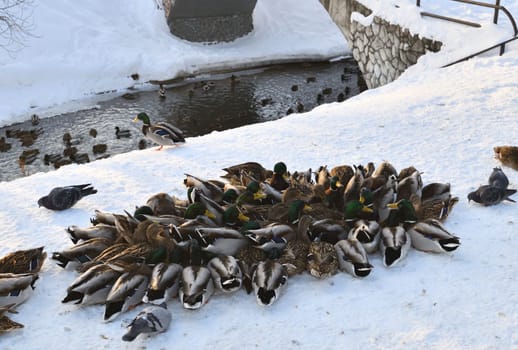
[(152, 320), (61, 198), (498, 178), (491, 195)]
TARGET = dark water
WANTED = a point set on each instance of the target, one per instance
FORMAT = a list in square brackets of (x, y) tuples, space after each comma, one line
[(196, 106)]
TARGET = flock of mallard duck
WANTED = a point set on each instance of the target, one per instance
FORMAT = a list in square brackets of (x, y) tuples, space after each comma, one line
[(18, 274), (254, 230)]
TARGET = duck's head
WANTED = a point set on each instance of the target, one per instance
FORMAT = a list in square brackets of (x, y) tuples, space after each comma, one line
[(335, 183), (142, 117), (405, 210), (280, 168), (230, 196), (141, 211), (353, 209), (232, 215), (295, 210), (195, 209)]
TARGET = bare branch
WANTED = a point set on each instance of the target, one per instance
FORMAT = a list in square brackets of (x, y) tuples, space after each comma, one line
[(15, 24)]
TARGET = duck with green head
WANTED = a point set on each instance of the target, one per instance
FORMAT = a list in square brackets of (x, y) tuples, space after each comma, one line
[(252, 194), (280, 176), (161, 133)]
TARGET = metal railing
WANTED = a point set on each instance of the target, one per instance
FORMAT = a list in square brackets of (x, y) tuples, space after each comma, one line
[(496, 7)]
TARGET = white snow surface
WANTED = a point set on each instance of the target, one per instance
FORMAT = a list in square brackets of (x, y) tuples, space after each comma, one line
[(444, 122)]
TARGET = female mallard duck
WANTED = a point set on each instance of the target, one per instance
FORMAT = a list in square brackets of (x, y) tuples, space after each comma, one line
[(128, 290), (16, 288), (295, 253), (23, 261), (268, 281), (6, 324), (161, 133), (248, 258), (367, 232), (77, 233), (164, 204), (354, 186), (197, 285), (434, 207), (252, 170), (352, 257), (322, 261), (92, 286), (288, 213), (410, 185), (164, 283), (226, 273), (82, 252), (394, 245), (430, 236)]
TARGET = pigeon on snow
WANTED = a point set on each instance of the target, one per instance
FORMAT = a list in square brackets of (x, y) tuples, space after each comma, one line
[(61, 198), (153, 319), (498, 178), (491, 195)]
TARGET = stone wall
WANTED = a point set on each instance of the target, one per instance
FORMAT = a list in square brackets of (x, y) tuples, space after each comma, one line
[(209, 20), (383, 50)]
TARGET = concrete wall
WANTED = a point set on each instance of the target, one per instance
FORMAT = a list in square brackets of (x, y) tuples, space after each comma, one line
[(209, 20), (383, 50)]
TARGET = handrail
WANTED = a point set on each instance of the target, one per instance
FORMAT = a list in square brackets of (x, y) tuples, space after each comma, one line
[(501, 45), (497, 7)]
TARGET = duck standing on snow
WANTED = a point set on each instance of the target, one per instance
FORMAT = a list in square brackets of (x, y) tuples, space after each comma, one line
[(161, 133)]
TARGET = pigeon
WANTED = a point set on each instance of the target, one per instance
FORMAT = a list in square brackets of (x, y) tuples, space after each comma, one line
[(152, 320), (61, 198), (490, 195), (498, 178)]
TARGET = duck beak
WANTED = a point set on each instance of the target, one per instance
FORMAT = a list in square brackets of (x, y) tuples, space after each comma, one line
[(135, 120), (392, 205), (209, 214), (367, 209), (307, 208), (259, 195), (243, 218)]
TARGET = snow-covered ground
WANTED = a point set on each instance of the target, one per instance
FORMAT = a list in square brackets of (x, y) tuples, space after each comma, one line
[(442, 121)]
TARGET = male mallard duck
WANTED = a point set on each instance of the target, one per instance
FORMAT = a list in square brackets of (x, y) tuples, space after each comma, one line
[(164, 283), (355, 210), (279, 178), (271, 236), (252, 194), (152, 320), (226, 273), (507, 155), (92, 286), (206, 187), (23, 261), (430, 236), (327, 230), (82, 252), (161, 91), (268, 280), (128, 290), (352, 257), (334, 195), (6, 324), (122, 133), (77, 233), (219, 240), (288, 213), (16, 288), (367, 232), (161, 133), (248, 258), (322, 261), (197, 285), (394, 245)]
